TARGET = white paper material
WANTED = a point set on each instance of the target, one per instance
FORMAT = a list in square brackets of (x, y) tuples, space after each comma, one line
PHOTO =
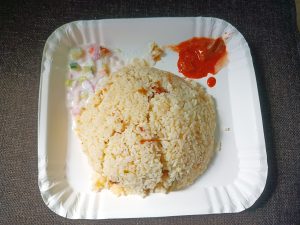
[(235, 178)]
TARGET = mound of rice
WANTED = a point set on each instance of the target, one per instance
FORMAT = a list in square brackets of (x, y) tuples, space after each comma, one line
[(147, 130)]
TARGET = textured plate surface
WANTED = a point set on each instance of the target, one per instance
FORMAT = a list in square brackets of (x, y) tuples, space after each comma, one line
[(237, 174)]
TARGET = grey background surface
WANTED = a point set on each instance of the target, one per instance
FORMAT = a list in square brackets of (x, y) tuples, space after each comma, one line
[(268, 26)]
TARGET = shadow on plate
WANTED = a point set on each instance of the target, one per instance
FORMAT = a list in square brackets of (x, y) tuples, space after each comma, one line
[(267, 126)]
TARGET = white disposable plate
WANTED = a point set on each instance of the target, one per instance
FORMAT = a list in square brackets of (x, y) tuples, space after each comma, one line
[(237, 174)]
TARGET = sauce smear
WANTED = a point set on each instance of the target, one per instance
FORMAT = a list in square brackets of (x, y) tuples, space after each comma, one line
[(199, 56)]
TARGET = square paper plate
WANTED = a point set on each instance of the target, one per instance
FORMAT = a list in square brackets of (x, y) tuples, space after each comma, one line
[(236, 176)]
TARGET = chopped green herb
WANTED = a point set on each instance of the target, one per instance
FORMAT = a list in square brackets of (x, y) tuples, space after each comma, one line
[(68, 83), (75, 66), (82, 78), (90, 67), (76, 53), (93, 68), (87, 69), (84, 95)]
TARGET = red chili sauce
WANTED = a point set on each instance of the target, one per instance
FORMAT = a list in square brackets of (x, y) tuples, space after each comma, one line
[(199, 56), (211, 82)]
